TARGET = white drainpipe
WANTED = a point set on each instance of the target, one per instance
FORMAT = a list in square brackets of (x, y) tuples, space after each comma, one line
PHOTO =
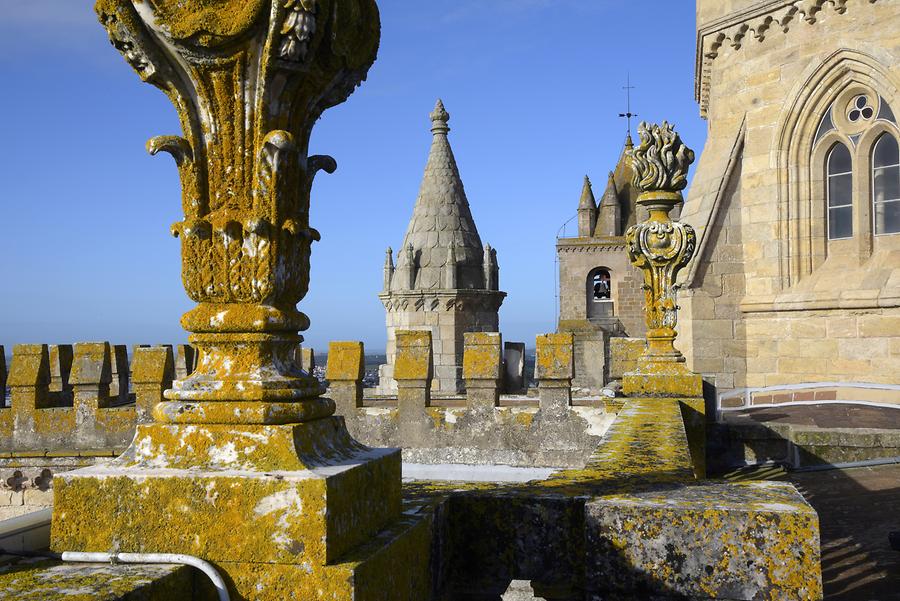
[(165, 558)]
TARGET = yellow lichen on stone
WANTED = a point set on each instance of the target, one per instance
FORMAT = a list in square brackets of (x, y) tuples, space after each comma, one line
[(91, 364), (413, 359), (30, 366), (294, 494), (346, 361), (662, 379), (152, 365), (555, 357), (183, 19), (482, 358)]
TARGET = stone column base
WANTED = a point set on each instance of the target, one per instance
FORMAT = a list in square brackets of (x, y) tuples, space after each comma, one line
[(266, 499), (662, 379)]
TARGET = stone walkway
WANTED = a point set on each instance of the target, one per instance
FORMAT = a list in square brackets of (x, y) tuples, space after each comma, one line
[(857, 508)]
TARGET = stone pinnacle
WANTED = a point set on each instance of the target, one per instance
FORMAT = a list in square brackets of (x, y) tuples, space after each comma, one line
[(439, 118)]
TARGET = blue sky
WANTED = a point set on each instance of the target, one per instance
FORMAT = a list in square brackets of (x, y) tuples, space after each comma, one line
[(533, 87)]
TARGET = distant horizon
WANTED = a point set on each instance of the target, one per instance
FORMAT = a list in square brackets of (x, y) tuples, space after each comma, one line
[(534, 89)]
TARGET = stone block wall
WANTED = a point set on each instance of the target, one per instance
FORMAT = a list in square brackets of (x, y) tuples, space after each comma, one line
[(769, 299), (447, 316), (577, 258)]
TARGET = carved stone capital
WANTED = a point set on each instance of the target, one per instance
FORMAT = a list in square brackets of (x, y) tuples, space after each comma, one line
[(248, 79)]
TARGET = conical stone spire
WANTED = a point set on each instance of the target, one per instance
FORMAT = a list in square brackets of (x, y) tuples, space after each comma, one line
[(610, 212), (442, 218), (587, 210), (587, 195)]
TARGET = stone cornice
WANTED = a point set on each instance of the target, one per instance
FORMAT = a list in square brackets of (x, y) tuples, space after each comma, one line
[(590, 245), (757, 22), (442, 300)]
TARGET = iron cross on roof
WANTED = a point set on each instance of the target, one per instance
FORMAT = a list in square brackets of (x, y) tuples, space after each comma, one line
[(628, 114)]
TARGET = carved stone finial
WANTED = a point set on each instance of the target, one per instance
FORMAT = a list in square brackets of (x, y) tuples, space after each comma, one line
[(660, 162), (660, 248), (440, 118)]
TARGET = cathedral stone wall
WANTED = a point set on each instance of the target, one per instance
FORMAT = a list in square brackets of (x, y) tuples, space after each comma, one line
[(770, 299)]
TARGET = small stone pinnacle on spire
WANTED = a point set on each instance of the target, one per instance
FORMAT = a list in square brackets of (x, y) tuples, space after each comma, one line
[(587, 195), (439, 119), (628, 143)]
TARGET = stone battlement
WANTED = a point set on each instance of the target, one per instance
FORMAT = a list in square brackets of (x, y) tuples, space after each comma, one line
[(71, 406), (84, 398), (479, 428)]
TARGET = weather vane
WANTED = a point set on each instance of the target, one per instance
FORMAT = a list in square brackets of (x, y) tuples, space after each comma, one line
[(628, 114)]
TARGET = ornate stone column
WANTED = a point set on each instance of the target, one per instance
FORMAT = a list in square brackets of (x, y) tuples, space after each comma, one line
[(660, 248), (245, 466), (248, 80)]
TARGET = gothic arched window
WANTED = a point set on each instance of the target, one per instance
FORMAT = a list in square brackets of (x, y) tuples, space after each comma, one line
[(840, 193), (886, 185)]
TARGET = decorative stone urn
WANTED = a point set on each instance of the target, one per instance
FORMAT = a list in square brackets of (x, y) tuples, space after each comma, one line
[(245, 466), (660, 248)]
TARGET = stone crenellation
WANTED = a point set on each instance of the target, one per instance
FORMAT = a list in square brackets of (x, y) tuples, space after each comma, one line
[(70, 406), (482, 427)]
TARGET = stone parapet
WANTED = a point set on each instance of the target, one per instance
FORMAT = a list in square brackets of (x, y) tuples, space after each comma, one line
[(749, 540), (60, 367), (630, 521), (153, 372), (91, 374), (65, 406), (480, 430)]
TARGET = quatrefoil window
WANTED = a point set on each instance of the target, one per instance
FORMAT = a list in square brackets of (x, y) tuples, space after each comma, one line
[(860, 109)]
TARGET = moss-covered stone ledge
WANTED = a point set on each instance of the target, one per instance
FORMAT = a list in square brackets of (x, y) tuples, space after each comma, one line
[(45, 580), (558, 532)]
